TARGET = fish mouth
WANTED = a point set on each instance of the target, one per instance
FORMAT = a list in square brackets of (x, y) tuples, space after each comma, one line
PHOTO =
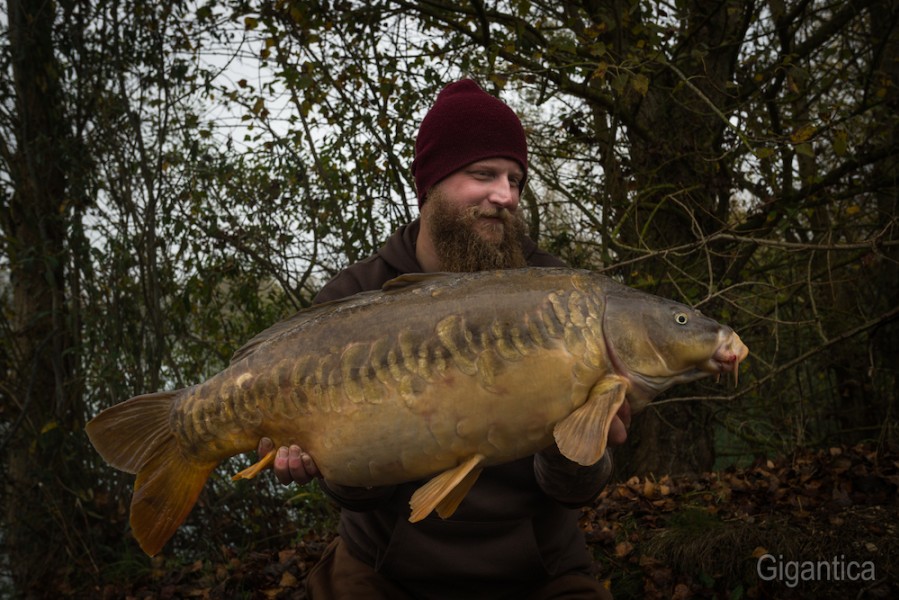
[(727, 357)]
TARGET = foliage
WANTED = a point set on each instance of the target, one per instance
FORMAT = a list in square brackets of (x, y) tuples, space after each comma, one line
[(176, 177)]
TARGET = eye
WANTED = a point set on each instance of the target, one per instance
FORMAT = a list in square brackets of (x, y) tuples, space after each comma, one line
[(681, 318)]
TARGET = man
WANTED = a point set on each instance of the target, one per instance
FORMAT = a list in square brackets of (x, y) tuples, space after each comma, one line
[(515, 535)]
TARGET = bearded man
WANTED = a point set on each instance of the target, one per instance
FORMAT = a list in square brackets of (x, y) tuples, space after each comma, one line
[(516, 534)]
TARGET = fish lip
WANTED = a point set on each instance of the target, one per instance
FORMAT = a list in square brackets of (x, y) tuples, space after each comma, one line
[(729, 354)]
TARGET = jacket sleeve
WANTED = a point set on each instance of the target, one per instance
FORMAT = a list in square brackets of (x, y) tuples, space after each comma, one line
[(358, 499), (566, 481)]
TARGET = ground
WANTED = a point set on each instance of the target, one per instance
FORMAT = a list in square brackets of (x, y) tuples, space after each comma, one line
[(816, 524)]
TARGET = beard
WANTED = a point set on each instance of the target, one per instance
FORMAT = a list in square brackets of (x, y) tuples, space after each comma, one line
[(459, 246)]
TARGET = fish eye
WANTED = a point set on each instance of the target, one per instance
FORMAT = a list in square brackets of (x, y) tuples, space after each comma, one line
[(681, 318)]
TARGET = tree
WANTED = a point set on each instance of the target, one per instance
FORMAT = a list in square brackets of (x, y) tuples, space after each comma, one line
[(714, 152), (105, 298), (41, 386)]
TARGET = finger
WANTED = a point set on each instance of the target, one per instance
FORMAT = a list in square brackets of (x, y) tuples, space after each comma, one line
[(295, 464), (310, 466), (624, 413), (617, 432), (265, 446), (281, 466)]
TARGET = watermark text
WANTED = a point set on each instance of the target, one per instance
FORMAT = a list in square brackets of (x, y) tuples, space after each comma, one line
[(794, 572)]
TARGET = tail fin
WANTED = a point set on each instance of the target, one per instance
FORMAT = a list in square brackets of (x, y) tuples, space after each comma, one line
[(136, 437)]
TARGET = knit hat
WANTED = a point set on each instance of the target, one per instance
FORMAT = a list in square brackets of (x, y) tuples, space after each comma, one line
[(465, 125)]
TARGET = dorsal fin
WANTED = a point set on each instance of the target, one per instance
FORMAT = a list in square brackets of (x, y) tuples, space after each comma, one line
[(412, 279), (301, 317), (296, 321)]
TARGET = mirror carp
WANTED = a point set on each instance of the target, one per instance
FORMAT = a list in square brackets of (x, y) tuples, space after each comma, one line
[(435, 375)]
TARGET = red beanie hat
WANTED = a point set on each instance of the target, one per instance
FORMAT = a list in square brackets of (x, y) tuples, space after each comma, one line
[(465, 125)]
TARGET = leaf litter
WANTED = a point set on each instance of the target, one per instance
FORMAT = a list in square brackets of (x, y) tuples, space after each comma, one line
[(682, 537)]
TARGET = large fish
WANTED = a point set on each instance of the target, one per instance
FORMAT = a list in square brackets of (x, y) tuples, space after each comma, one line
[(435, 374)]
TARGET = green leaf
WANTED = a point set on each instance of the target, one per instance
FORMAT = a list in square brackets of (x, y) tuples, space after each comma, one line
[(805, 149), (840, 142), (259, 106), (802, 134), (640, 83)]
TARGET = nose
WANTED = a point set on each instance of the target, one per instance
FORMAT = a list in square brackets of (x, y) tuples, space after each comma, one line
[(504, 193)]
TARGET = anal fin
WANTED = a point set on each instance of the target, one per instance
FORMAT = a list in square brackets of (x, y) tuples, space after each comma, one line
[(445, 491), (582, 435)]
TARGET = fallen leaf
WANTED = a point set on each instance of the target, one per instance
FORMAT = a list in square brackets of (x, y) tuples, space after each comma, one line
[(288, 580), (622, 549)]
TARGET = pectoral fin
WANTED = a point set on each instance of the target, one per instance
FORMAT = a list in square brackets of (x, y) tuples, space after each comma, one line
[(445, 491), (582, 435)]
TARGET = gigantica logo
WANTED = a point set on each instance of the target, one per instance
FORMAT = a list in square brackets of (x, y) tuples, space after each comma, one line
[(793, 572)]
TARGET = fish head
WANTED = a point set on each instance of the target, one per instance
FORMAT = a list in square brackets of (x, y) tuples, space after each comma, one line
[(657, 343)]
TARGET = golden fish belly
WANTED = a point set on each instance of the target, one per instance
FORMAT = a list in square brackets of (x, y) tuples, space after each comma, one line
[(403, 437)]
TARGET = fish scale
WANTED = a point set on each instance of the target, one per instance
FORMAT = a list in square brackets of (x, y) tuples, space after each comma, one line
[(434, 376)]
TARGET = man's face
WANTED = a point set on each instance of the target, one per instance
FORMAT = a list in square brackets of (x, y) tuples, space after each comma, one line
[(473, 217)]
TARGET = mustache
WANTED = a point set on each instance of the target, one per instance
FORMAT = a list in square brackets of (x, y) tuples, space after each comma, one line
[(493, 212)]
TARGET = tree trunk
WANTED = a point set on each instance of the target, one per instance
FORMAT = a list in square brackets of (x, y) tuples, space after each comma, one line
[(882, 373), (683, 194), (39, 402)]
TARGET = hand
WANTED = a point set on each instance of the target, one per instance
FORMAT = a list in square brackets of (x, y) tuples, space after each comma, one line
[(620, 424), (291, 464)]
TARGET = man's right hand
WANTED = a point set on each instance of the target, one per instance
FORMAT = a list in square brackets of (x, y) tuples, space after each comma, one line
[(291, 463)]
